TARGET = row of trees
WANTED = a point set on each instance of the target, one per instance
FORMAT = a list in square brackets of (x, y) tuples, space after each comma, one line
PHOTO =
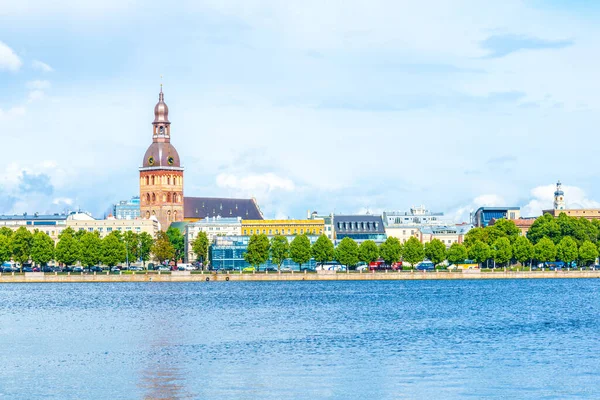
[(87, 248), (348, 252)]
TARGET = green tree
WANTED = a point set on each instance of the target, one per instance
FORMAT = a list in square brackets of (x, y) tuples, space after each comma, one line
[(280, 250), (523, 250), (502, 251), (567, 250), (435, 251), (258, 250), (588, 252), (544, 250), (21, 245), (391, 250), (413, 251), (480, 252), (67, 249), (200, 246), (90, 247), (67, 231), (42, 248), (322, 249), (162, 249), (79, 234), (112, 250), (177, 240), (5, 250), (6, 231), (300, 251), (132, 242), (457, 253), (544, 227), (475, 234), (146, 242), (368, 251), (346, 252), (507, 228)]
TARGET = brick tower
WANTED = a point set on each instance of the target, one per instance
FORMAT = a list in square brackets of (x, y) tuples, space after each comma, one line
[(161, 174)]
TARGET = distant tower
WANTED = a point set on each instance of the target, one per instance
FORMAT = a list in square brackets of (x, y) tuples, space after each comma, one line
[(161, 174), (559, 197)]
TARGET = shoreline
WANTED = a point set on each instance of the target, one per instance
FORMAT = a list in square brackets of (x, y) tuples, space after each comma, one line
[(185, 276)]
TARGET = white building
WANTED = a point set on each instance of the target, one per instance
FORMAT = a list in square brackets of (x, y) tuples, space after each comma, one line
[(213, 227), (404, 224)]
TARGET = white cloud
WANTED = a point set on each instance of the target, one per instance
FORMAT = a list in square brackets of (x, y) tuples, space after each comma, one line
[(62, 201), (41, 66), (11, 113), (38, 85), (463, 213), (542, 198), (8, 59), (35, 95), (251, 184)]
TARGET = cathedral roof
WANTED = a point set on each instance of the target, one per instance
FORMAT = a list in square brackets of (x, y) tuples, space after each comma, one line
[(161, 154), (202, 207)]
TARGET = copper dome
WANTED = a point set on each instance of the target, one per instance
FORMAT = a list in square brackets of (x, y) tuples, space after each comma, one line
[(161, 154), (161, 111)]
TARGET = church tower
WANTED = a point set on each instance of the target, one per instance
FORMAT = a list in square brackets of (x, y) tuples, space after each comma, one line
[(161, 174), (559, 197)]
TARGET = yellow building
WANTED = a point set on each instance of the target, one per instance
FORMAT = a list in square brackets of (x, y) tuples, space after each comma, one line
[(287, 227)]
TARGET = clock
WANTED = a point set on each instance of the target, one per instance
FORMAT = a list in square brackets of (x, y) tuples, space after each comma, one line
[(170, 160), (151, 160)]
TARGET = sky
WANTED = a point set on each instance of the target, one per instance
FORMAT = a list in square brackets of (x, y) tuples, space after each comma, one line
[(339, 106)]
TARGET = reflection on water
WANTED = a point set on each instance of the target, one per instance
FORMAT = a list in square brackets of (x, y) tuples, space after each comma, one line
[(301, 340)]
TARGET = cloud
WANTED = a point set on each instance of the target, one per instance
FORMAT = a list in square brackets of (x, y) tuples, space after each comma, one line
[(62, 201), (542, 198), (251, 184), (502, 45), (35, 95), (38, 85), (41, 66), (11, 113), (463, 213), (35, 183), (8, 59)]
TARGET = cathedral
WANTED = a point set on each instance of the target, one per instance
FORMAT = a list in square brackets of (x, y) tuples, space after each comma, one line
[(161, 183)]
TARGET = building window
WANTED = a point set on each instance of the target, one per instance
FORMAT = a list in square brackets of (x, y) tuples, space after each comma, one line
[(302, 231), (90, 229), (108, 229)]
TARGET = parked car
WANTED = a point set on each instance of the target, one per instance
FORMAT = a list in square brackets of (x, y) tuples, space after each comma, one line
[(36, 269), (78, 269), (330, 266), (425, 265), (96, 268), (7, 269), (115, 269), (135, 268), (248, 269), (164, 268), (27, 269), (47, 269), (286, 269), (67, 269)]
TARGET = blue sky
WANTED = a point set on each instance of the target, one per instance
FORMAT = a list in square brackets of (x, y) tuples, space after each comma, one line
[(344, 106)]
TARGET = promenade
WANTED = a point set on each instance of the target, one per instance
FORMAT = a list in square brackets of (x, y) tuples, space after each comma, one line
[(185, 276)]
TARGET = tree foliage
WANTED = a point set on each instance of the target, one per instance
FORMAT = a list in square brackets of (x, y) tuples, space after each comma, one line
[(5, 250), (300, 251), (177, 241), (346, 252), (21, 245), (280, 250), (544, 250), (413, 251), (545, 226), (435, 251), (200, 246), (162, 249), (522, 250), (391, 250), (132, 242), (146, 242), (113, 250), (507, 228), (42, 248), (90, 247), (457, 253), (6, 231), (368, 251), (567, 250), (480, 252), (258, 250), (67, 248), (588, 252), (322, 249), (502, 251)]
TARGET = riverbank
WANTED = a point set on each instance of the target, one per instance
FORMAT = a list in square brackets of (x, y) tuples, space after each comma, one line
[(186, 276)]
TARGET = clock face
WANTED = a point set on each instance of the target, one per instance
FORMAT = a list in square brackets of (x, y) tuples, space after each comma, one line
[(170, 160), (151, 160)]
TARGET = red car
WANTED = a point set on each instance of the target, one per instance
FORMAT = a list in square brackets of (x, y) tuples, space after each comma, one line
[(380, 265)]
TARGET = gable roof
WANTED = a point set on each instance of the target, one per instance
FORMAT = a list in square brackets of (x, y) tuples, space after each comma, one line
[(202, 207)]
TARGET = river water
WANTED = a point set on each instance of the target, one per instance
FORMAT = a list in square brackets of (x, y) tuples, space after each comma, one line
[(301, 340)]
